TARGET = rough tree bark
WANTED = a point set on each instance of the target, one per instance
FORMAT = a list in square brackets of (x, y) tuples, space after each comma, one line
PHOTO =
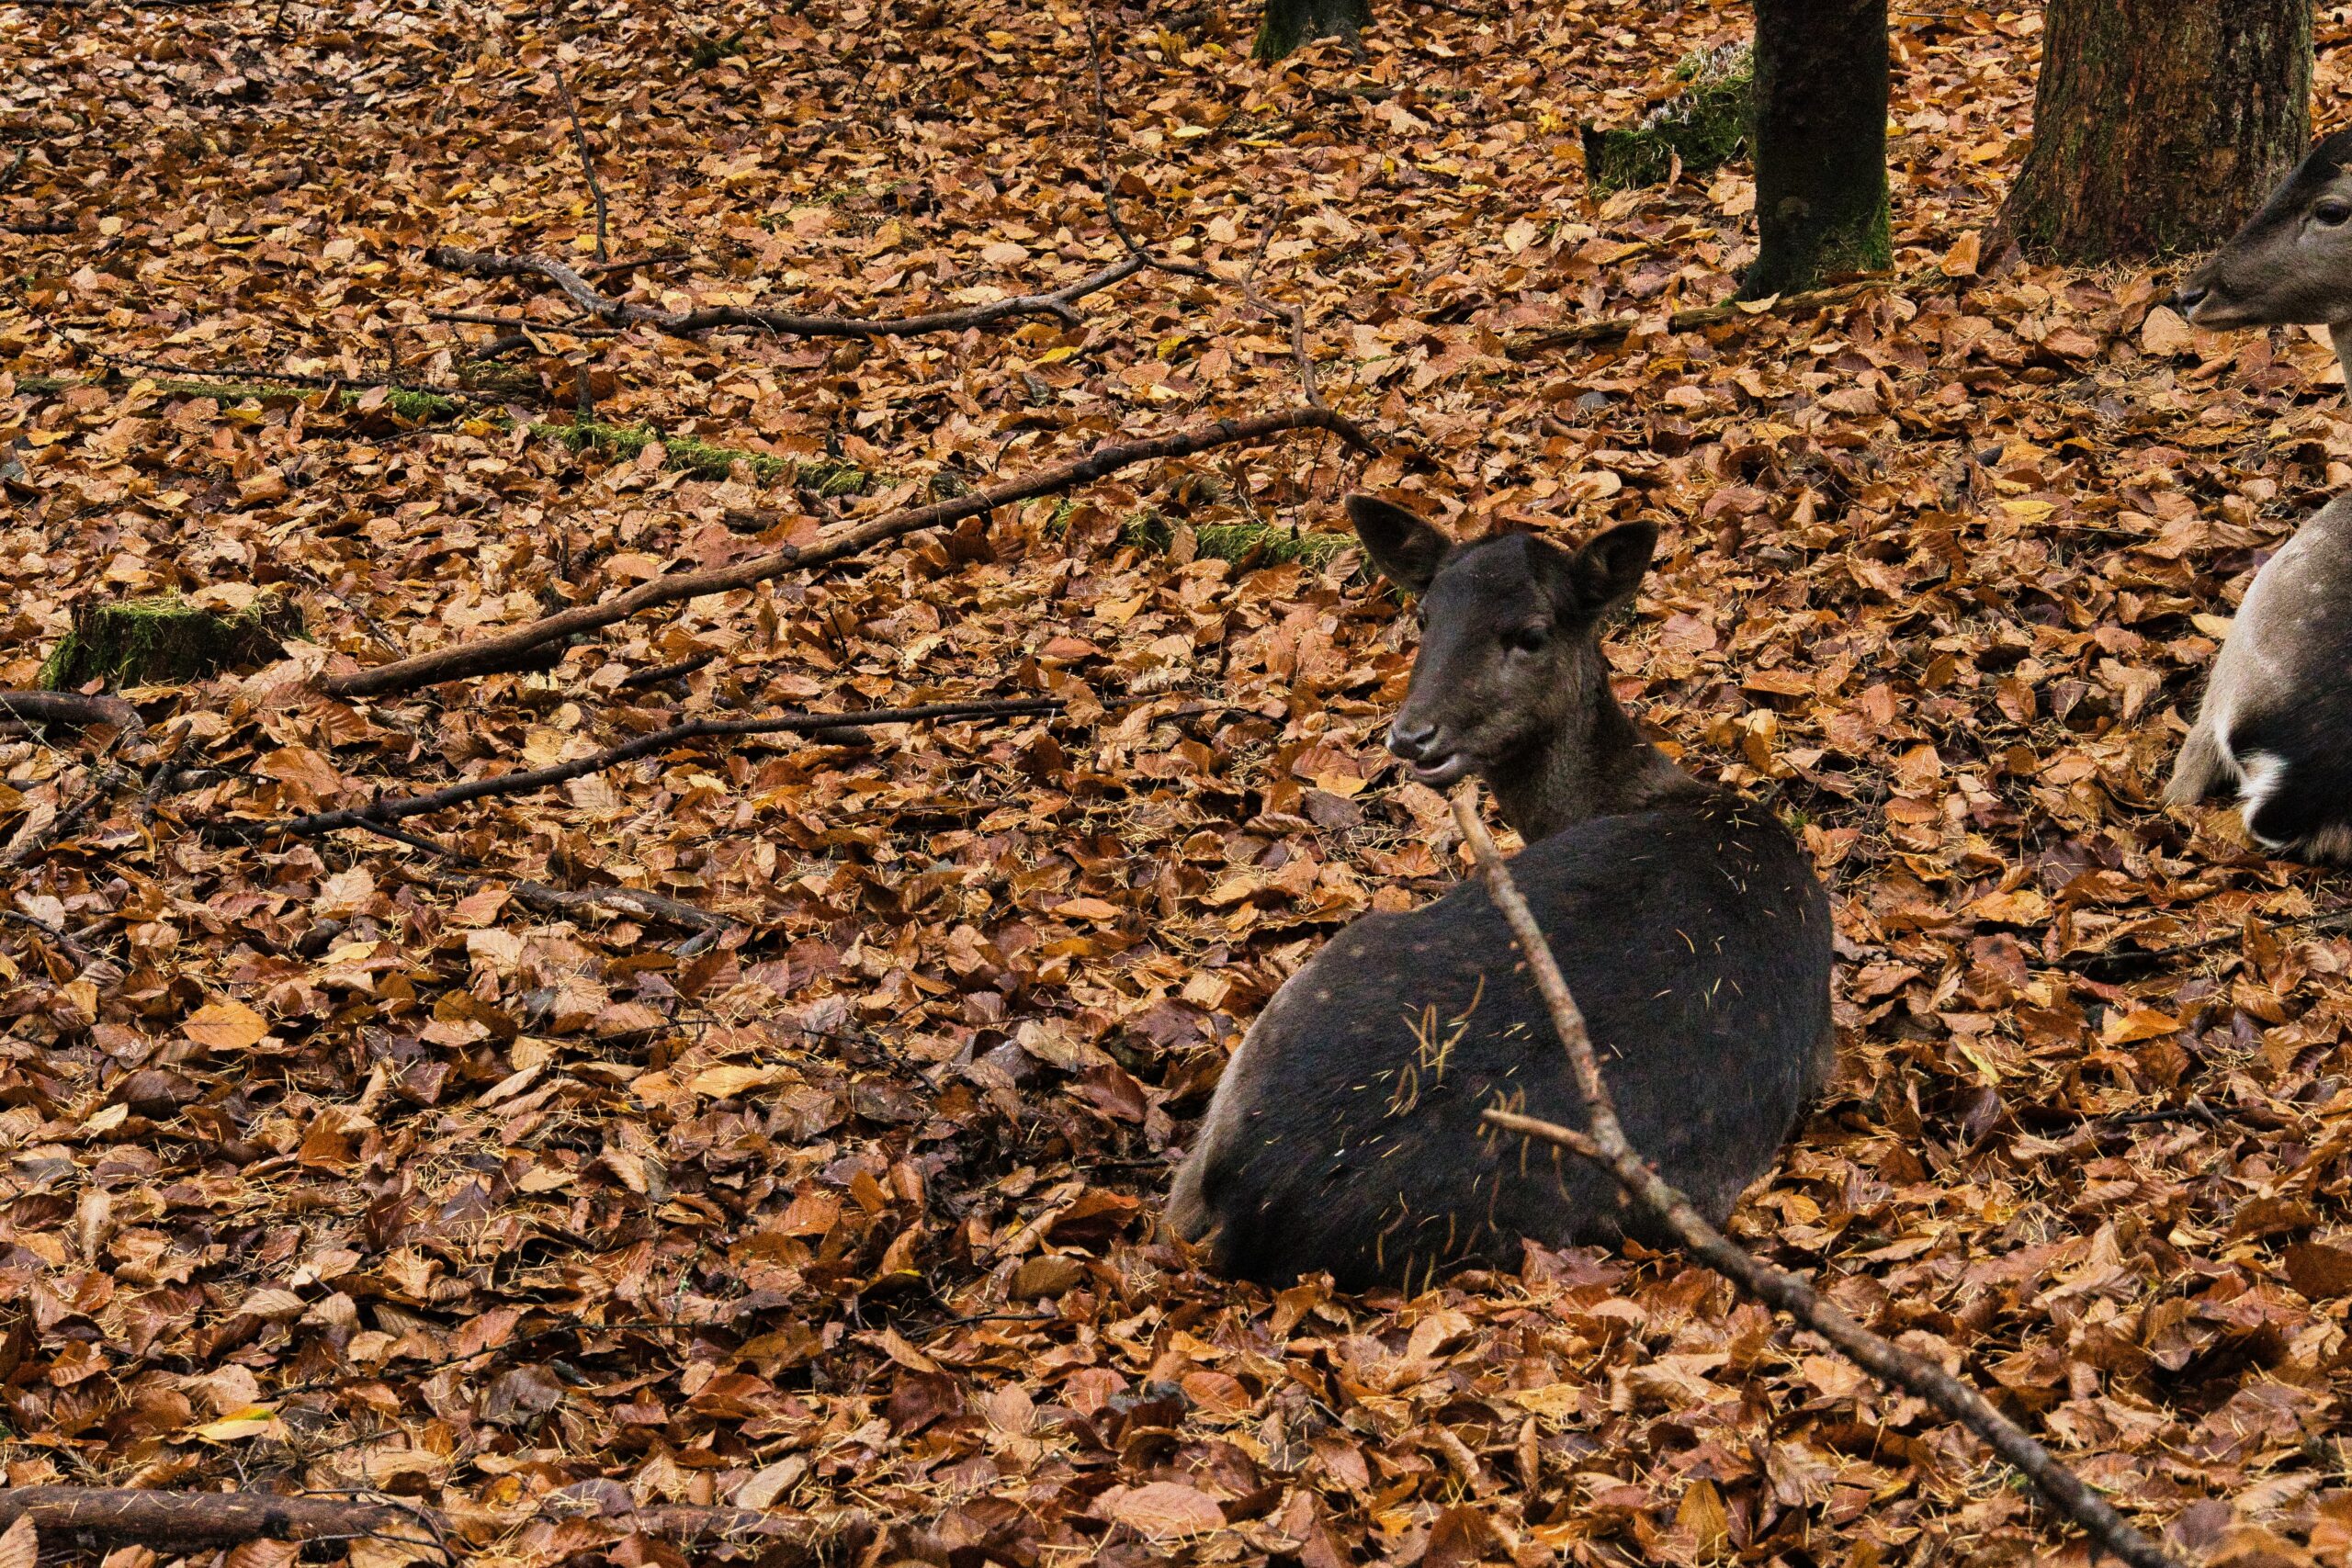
[(1820, 141), (1290, 23), (2159, 125)]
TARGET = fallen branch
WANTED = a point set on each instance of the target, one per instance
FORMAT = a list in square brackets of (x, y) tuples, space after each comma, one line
[(1110, 174), (36, 838), (686, 323), (65, 943), (1296, 315), (565, 901), (71, 710), (1605, 1145), (587, 162), (523, 323), (463, 659), (381, 814), (1617, 327), (188, 1522)]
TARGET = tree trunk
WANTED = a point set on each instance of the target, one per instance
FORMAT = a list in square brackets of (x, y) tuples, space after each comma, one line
[(2159, 125), (1820, 143), (1290, 23)]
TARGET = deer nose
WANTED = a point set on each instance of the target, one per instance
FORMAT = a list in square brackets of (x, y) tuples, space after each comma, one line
[(2188, 296), (1411, 740)]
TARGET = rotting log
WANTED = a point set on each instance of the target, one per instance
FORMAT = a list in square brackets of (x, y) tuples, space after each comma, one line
[(200, 1521)]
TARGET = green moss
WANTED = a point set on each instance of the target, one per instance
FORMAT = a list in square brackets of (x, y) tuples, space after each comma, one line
[(1705, 124), (831, 479), (165, 641), (420, 406), (411, 403), (709, 51), (625, 441), (1243, 544)]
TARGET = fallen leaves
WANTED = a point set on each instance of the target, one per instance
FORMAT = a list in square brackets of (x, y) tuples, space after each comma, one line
[(485, 1203)]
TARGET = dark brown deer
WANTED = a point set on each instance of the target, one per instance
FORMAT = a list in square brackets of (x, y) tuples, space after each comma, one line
[(1345, 1134), (2275, 726)]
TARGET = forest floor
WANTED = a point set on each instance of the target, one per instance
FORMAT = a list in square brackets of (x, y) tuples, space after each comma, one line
[(333, 1163)]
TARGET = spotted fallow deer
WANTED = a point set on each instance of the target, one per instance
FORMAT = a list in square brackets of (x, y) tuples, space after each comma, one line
[(1346, 1132), (2275, 727)]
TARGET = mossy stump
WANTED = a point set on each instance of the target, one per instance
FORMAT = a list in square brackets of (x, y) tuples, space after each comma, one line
[(1705, 125), (165, 641)]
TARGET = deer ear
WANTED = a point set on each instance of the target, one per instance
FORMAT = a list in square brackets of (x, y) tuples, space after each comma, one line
[(1407, 550), (1606, 572)]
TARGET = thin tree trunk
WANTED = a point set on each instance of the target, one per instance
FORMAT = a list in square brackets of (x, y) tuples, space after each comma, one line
[(1291, 23), (1820, 143), (2159, 125)]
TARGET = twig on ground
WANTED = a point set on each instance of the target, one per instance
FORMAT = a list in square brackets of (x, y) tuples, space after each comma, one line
[(571, 901), (686, 323), (587, 159), (1135, 247), (66, 943), (1604, 1143), (463, 659), (36, 837), (1293, 314), (380, 814), (520, 323), (606, 269), (2123, 962), (654, 677), (1616, 327)]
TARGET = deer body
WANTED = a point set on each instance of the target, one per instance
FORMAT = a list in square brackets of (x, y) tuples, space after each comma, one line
[(2276, 723), (1346, 1134)]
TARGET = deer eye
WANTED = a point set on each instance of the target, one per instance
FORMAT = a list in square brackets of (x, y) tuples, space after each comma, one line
[(1530, 639), (2330, 214)]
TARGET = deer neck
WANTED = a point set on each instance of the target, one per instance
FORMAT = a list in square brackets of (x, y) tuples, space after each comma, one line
[(2340, 334), (1602, 768)]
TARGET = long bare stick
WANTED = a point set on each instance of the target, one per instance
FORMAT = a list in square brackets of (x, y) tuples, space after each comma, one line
[(1135, 247), (1296, 315), (1611, 329), (587, 160), (686, 323), (463, 659), (380, 813), (1605, 1145)]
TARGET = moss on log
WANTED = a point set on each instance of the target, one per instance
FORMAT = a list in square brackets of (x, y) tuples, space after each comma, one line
[(165, 641), (1705, 124)]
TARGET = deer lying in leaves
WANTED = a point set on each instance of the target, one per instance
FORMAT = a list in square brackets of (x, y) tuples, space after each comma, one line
[(1345, 1134), (2275, 726)]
